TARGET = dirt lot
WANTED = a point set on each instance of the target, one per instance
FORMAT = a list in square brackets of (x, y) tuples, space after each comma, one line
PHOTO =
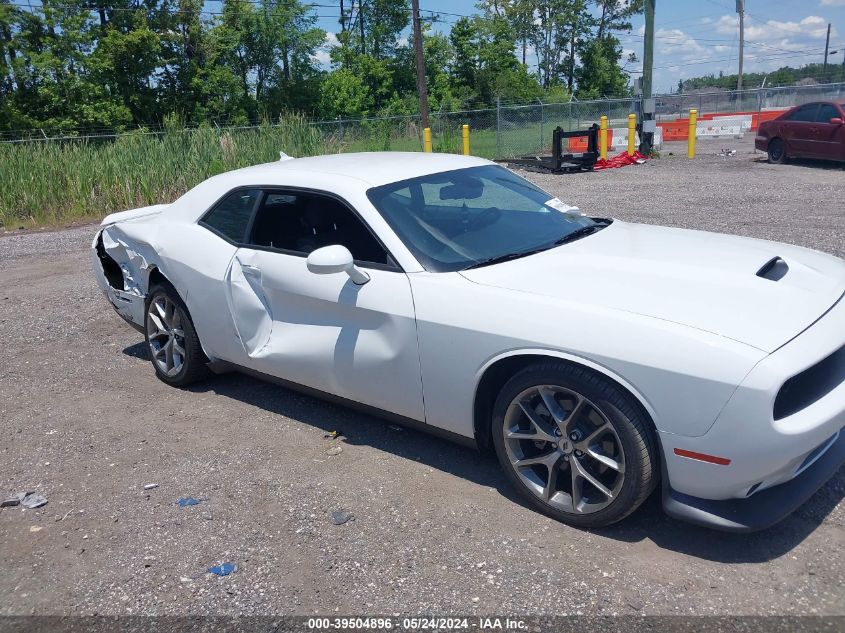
[(435, 530)]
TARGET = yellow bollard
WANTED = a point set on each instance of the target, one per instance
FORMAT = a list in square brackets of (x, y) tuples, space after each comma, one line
[(427, 140), (632, 133), (465, 133), (693, 117), (603, 137)]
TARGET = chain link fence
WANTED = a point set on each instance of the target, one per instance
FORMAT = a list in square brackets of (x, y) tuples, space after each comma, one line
[(510, 130)]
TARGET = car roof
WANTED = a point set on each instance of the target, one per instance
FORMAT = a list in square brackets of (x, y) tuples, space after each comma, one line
[(371, 168)]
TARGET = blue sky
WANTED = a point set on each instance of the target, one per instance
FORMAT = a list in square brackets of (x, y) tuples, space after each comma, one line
[(696, 37)]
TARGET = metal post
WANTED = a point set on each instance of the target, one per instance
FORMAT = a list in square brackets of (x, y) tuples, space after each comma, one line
[(693, 117), (826, 49), (603, 137), (632, 131), (740, 8), (541, 125), (498, 127), (465, 134), (427, 140)]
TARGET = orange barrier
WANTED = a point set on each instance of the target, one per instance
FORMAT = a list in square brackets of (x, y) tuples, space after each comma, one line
[(678, 129)]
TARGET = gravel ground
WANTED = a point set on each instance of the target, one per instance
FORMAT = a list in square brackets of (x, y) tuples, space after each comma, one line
[(434, 529)]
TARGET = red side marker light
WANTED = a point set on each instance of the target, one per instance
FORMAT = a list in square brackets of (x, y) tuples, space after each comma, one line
[(703, 457)]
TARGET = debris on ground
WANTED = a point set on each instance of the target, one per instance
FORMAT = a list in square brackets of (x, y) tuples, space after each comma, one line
[(184, 502), (150, 486), (32, 500), (339, 517), (223, 570), (35, 528), (334, 450), (11, 502), (332, 435), (727, 152), (620, 160)]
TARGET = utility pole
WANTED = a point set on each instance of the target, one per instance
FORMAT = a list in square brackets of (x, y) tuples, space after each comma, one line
[(648, 48), (740, 8), (826, 48), (418, 53), (647, 104)]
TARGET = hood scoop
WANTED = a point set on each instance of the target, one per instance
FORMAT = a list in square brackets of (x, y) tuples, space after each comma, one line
[(774, 270)]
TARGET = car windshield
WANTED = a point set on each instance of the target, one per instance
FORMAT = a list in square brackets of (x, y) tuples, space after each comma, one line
[(477, 216)]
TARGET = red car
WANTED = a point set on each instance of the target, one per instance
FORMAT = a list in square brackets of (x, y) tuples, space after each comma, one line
[(812, 130)]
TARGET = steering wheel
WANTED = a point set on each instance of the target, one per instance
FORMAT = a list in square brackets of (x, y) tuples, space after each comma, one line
[(488, 216)]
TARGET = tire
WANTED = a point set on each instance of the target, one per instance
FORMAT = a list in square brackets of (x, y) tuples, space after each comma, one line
[(606, 433), (777, 152), (167, 322)]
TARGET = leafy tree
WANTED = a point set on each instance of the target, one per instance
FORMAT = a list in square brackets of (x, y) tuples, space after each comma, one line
[(344, 94), (600, 75)]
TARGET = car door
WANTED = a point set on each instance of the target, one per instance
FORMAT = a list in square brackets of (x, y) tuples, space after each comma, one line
[(799, 130), (324, 331), (205, 254), (829, 141)]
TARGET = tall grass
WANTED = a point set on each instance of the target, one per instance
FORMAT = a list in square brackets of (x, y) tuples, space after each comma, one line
[(63, 181)]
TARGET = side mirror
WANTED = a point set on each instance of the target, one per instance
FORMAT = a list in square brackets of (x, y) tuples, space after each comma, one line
[(335, 259), (836, 121)]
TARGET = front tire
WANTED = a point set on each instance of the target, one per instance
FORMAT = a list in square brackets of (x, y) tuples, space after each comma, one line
[(172, 341), (777, 152), (575, 445)]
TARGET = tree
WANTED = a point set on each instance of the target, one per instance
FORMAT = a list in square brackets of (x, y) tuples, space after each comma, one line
[(600, 75), (615, 15), (343, 94), (464, 38)]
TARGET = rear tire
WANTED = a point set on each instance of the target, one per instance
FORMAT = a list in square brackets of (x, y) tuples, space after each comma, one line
[(172, 341), (576, 446), (777, 152)]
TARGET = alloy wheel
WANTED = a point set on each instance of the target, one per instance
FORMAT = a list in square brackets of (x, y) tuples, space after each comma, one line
[(165, 335), (564, 449)]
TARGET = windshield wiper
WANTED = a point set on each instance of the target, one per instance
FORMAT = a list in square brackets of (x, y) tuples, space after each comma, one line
[(505, 258), (569, 237), (577, 234)]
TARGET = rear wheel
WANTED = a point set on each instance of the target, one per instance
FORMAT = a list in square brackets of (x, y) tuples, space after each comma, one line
[(575, 445), (777, 151), (175, 350)]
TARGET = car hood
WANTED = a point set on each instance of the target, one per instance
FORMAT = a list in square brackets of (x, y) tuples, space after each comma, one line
[(707, 281)]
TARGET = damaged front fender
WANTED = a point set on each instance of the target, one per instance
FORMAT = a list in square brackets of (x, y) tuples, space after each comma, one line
[(122, 265)]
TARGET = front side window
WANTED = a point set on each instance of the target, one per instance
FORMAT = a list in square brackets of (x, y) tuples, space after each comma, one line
[(230, 217), (301, 222), (476, 216), (805, 113), (826, 113)]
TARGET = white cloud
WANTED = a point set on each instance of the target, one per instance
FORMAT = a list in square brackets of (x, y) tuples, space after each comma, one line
[(832, 3), (811, 27), (323, 54)]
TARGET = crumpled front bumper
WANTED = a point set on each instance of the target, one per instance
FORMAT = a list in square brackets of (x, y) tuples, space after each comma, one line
[(129, 305)]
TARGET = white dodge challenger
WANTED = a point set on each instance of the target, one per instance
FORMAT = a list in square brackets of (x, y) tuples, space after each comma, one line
[(597, 358)]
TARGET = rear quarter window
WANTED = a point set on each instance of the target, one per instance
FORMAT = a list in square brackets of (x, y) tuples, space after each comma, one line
[(230, 217)]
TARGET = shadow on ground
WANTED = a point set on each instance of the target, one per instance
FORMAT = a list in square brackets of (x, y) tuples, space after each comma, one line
[(647, 523), (810, 163)]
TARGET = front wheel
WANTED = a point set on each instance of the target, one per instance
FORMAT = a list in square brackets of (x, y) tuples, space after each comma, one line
[(172, 341), (576, 446), (777, 152)]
